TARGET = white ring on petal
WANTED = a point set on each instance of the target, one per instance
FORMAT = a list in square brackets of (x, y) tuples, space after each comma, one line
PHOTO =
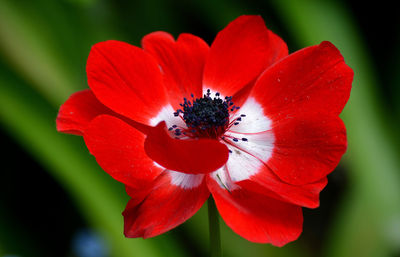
[(185, 181), (241, 165), (260, 145), (255, 121), (247, 157), (167, 114), (223, 179)]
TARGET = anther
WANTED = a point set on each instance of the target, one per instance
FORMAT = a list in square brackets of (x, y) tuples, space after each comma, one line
[(207, 116)]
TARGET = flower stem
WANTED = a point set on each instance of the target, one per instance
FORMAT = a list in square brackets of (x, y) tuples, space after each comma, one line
[(213, 222)]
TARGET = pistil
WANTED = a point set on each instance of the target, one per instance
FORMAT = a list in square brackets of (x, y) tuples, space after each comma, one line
[(206, 116)]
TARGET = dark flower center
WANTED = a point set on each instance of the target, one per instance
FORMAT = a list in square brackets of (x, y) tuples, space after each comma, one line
[(206, 116)]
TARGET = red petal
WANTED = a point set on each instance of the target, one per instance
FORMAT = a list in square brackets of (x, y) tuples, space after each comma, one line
[(119, 150), (167, 206), (138, 194), (182, 63), (126, 79), (246, 167), (266, 183), (256, 217), (239, 54), (76, 113), (312, 79), (307, 147), (188, 156)]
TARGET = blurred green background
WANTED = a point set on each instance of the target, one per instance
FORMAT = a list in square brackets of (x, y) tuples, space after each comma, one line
[(56, 201)]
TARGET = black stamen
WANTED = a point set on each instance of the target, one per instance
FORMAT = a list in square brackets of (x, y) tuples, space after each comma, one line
[(207, 116)]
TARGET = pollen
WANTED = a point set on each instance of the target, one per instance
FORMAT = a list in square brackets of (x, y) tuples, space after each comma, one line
[(207, 116)]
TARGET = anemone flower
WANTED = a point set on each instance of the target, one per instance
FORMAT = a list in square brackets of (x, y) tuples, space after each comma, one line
[(178, 120)]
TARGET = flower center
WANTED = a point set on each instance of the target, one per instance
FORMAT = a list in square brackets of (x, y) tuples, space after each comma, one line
[(206, 116)]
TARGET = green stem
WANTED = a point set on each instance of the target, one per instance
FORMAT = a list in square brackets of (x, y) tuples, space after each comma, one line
[(213, 222)]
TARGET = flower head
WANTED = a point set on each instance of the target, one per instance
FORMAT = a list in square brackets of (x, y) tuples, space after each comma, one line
[(177, 120)]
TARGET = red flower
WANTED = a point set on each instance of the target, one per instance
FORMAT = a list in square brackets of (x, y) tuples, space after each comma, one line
[(261, 163)]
